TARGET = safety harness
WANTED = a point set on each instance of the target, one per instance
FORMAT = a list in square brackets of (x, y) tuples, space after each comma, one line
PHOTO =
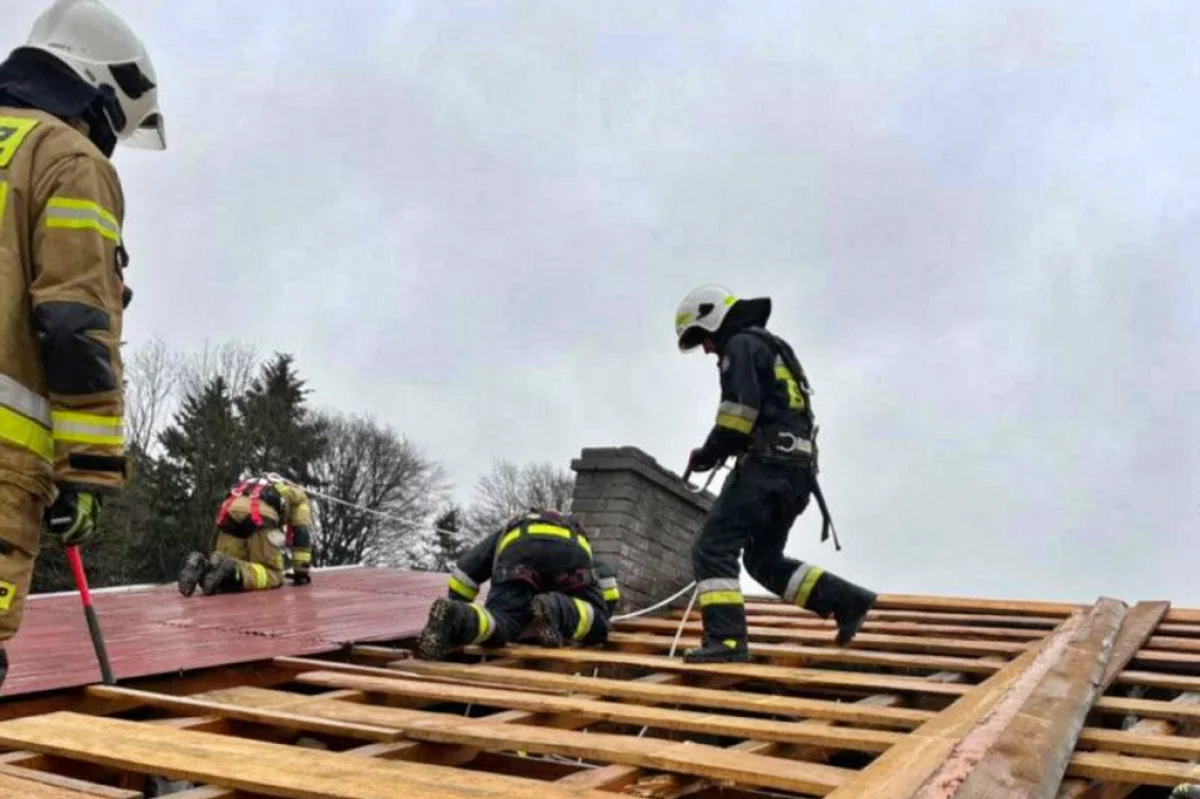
[(260, 490), (784, 351), (549, 526)]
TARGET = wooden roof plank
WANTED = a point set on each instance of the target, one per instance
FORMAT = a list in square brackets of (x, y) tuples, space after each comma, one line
[(687, 758), (798, 677), (51, 786), (257, 767), (851, 713), (709, 723)]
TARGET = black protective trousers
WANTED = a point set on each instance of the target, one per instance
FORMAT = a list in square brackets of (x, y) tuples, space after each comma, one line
[(751, 519), (531, 566)]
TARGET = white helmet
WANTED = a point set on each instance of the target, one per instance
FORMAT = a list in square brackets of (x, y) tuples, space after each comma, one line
[(104, 51), (701, 313)]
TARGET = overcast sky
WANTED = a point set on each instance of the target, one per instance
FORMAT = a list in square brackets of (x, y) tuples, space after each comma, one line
[(977, 221)]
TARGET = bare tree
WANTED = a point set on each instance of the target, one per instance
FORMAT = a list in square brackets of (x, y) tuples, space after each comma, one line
[(153, 373), (370, 466), (233, 361), (512, 489)]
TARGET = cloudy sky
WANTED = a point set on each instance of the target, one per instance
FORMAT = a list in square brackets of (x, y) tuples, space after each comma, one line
[(978, 223)]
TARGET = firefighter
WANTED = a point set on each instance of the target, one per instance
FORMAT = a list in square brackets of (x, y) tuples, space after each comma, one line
[(542, 571), (258, 519), (765, 418), (80, 84)]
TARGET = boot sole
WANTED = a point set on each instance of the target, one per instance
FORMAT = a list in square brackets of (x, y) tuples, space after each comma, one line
[(216, 577), (545, 622), (432, 643)]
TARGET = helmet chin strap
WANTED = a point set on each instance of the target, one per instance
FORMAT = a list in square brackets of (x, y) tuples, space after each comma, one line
[(104, 118)]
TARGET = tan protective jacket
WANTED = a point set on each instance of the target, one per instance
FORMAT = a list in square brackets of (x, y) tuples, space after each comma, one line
[(61, 385)]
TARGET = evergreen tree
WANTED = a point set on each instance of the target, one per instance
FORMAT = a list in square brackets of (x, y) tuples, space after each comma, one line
[(281, 434)]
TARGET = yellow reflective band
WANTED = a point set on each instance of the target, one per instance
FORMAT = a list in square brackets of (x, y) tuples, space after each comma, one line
[(88, 428), (721, 598), (508, 539), (583, 543), (806, 585), (463, 590), (25, 433), (612, 594), (3, 198), (13, 131), (8, 592), (734, 423), (586, 616), (485, 624), (73, 214), (301, 557), (258, 573), (549, 529)]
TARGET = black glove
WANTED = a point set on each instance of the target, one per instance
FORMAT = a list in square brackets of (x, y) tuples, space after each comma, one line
[(700, 461), (300, 578), (72, 517)]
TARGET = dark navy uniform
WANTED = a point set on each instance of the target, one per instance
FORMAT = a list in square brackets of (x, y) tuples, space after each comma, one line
[(542, 571), (765, 418)]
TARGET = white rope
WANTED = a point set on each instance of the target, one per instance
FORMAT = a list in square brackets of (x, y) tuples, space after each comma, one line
[(656, 605), (678, 631)]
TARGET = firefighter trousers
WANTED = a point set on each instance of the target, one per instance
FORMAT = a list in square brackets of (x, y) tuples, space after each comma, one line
[(582, 613), (259, 559), (751, 519), (20, 539)]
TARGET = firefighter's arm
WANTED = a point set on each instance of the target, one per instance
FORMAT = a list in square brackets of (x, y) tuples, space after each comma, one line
[(741, 399), (473, 568), (75, 296), (300, 520)]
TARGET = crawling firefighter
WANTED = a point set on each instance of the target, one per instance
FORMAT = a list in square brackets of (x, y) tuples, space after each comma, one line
[(81, 84), (765, 418), (542, 571), (251, 537)]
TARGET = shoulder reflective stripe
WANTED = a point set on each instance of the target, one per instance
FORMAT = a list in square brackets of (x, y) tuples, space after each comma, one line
[(738, 410), (87, 428), (22, 400), (13, 131), (587, 615), (584, 545), (65, 212), (19, 430), (463, 577), (486, 624), (549, 529), (509, 537)]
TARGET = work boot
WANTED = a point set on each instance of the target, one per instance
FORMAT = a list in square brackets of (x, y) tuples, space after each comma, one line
[(222, 576), (442, 630), (1186, 791), (547, 621), (845, 601), (195, 566), (725, 650)]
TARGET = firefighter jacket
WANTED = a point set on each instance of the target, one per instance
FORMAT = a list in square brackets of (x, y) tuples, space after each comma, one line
[(510, 545), (765, 408), (61, 262)]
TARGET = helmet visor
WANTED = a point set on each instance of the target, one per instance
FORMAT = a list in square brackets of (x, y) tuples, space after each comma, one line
[(149, 135)]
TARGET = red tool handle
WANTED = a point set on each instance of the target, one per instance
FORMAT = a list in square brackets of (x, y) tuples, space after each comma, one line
[(89, 612)]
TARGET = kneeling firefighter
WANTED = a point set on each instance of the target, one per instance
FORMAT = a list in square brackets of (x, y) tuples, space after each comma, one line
[(542, 571), (765, 417), (251, 536)]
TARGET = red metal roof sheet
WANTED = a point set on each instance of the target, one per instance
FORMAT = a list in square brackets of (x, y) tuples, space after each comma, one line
[(155, 630)]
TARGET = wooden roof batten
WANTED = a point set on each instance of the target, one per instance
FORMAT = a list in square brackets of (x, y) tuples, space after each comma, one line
[(937, 698)]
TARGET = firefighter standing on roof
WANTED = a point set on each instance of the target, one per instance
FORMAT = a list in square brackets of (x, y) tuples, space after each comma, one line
[(765, 417), (542, 571), (251, 536), (81, 84)]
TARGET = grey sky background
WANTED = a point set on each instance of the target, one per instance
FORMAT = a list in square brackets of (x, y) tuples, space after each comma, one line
[(977, 221)]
